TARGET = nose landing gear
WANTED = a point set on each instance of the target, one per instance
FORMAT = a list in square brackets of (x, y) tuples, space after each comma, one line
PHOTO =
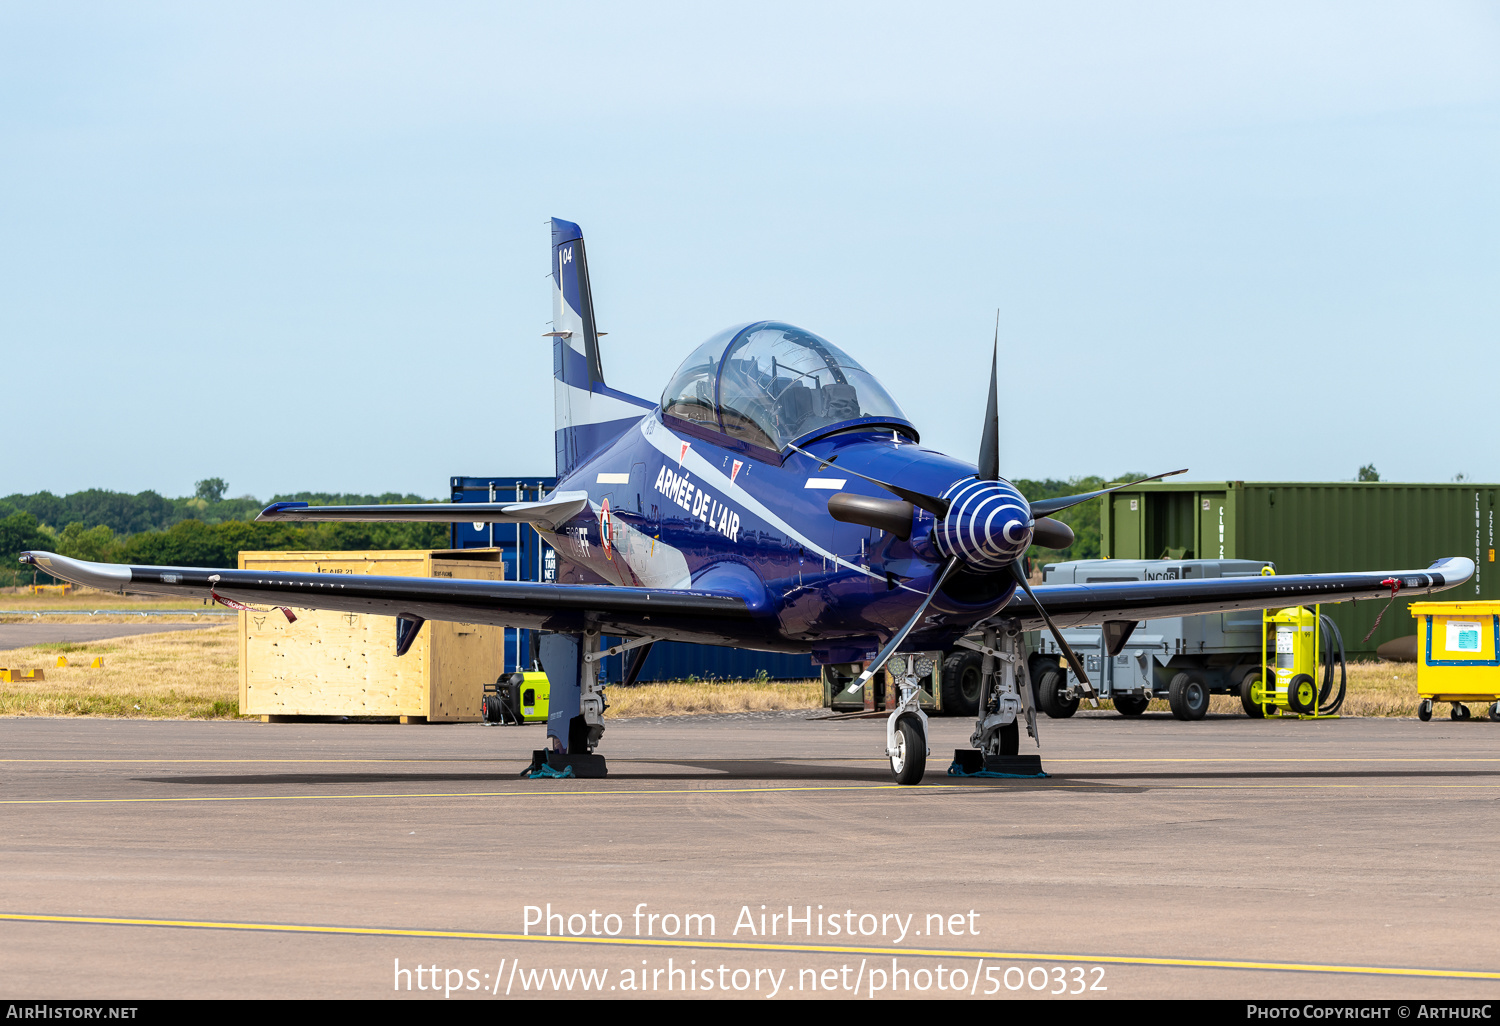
[(906, 727)]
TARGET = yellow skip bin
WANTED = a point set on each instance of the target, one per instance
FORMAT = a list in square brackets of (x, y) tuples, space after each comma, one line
[(1458, 655)]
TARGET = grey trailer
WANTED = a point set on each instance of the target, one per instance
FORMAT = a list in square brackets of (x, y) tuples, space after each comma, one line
[(1183, 659)]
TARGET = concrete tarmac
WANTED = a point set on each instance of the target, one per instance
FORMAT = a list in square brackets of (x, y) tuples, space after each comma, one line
[(21, 635), (1224, 859)]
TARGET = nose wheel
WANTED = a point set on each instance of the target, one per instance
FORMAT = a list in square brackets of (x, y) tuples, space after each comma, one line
[(909, 754)]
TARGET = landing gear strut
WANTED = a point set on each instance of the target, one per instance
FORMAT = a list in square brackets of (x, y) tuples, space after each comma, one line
[(906, 727), (575, 718), (1004, 699)]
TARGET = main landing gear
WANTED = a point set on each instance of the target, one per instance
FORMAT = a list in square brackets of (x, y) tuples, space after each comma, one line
[(575, 716)]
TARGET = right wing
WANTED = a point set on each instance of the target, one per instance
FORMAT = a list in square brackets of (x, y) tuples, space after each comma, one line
[(705, 617), (550, 513), (1074, 605)]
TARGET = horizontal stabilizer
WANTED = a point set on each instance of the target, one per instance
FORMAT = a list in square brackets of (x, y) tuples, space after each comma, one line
[(550, 513)]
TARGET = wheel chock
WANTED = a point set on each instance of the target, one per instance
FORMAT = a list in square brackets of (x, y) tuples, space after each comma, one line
[(547, 764), (971, 762)]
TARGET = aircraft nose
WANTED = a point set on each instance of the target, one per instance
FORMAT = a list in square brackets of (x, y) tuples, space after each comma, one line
[(988, 524)]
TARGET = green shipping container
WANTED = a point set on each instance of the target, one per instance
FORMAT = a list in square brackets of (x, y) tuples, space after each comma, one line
[(1311, 528)]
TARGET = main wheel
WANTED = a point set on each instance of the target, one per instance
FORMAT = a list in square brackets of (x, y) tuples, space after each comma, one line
[(1051, 695), (909, 761), (1010, 738), (963, 675), (1188, 696), (1424, 710), (1495, 711), (1131, 705), (1302, 694), (1459, 711), (1249, 684)]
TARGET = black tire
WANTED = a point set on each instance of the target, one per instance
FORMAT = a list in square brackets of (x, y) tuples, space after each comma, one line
[(910, 762), (1188, 696), (1131, 705), (963, 675), (1424, 710), (1253, 709), (1010, 738), (1037, 665), (1302, 694), (1051, 698), (1459, 711), (1495, 711)]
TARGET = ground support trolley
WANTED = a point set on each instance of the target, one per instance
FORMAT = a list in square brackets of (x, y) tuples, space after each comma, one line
[(1458, 657)]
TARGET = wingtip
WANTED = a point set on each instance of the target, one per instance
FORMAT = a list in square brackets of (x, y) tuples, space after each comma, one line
[(1455, 569), (275, 509)]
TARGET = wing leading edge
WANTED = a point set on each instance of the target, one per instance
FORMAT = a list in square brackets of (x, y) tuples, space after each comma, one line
[(1073, 605), (707, 617)]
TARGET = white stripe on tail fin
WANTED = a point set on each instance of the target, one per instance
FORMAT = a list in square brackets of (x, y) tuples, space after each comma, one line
[(589, 415)]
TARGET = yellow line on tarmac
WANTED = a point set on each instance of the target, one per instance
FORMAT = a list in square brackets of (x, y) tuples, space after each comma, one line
[(824, 949), (1353, 758), (515, 760)]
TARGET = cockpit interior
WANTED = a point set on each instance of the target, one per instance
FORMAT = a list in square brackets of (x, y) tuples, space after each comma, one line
[(768, 384)]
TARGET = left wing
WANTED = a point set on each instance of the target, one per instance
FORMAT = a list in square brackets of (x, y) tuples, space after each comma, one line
[(1073, 605), (709, 617)]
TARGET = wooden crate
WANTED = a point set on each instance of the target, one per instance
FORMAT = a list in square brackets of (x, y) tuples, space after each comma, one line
[(344, 664)]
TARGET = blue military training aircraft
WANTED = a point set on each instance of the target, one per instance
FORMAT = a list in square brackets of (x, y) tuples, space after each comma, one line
[(776, 498)]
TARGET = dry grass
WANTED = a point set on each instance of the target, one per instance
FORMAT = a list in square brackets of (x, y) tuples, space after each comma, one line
[(177, 675), (693, 698), (194, 675), (1375, 689)]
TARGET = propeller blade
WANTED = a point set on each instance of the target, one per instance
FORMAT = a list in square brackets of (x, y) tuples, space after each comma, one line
[(1062, 643), (931, 503), (989, 444), (1047, 507), (900, 636)]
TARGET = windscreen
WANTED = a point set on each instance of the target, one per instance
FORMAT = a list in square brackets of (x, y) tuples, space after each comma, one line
[(779, 382)]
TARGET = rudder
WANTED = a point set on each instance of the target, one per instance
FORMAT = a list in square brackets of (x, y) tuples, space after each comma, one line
[(589, 415)]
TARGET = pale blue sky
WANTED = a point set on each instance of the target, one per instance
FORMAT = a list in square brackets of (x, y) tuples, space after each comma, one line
[(302, 246)]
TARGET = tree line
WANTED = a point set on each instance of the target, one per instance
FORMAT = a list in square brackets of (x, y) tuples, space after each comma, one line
[(205, 529)]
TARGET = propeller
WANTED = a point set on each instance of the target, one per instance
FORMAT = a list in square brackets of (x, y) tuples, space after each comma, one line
[(900, 636), (931, 503), (989, 470), (982, 523), (1046, 507), (1077, 664)]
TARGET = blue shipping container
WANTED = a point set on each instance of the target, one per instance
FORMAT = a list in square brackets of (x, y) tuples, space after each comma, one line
[(528, 558)]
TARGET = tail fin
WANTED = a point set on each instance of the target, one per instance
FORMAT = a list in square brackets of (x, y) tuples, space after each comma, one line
[(589, 415)]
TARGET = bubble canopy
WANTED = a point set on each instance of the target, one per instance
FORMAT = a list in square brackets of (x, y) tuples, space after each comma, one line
[(770, 383)]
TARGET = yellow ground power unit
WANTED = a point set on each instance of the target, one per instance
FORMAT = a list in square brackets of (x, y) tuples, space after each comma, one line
[(1458, 656), (518, 698), (1295, 644), (345, 664)]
